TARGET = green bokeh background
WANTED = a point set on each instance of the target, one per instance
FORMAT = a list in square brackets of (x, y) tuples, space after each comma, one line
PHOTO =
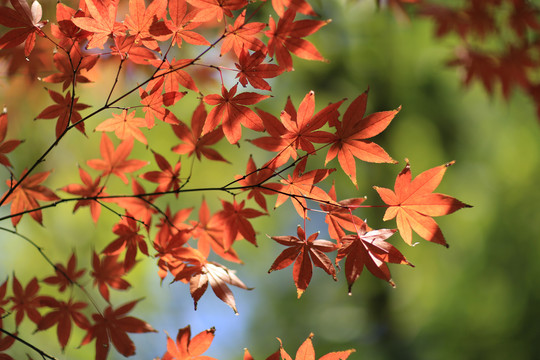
[(476, 300)]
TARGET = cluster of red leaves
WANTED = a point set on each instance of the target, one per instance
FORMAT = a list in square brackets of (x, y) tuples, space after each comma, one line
[(478, 23), (148, 36)]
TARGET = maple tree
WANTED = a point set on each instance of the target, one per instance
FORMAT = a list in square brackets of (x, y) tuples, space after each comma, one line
[(146, 40)]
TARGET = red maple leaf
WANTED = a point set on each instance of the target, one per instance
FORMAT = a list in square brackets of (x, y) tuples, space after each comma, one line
[(186, 348), (304, 253), (339, 217), (65, 109), (6, 146), (350, 142), (138, 205), (241, 36), (114, 161), (154, 102), (252, 70), (128, 48), (208, 230), (252, 181), (236, 224), (26, 195), (69, 34), (101, 22), (286, 37), (232, 111), (173, 75), (297, 131), (70, 67), (193, 140), (413, 204), (112, 327), (63, 315), (89, 189), (65, 276), (108, 272), (167, 178), (26, 22), (307, 352), (301, 186), (369, 248), (128, 239), (26, 301)]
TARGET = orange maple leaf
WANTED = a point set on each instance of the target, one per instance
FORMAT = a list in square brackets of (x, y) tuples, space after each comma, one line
[(286, 37), (350, 142), (186, 348), (232, 111), (307, 352), (125, 126), (413, 204), (114, 161), (26, 195)]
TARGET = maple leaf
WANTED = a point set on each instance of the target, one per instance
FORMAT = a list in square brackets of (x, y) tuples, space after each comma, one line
[(114, 161), (304, 253), (231, 110), (300, 6), (89, 189), (199, 272), (477, 64), (125, 126), (301, 186), (154, 103), (253, 180), (112, 327), (70, 67), (241, 36), (186, 348), (26, 195), (26, 301), (63, 314), (168, 178), (215, 9), (208, 230), (252, 70), (6, 146), (297, 130), (173, 75), (181, 25), (65, 109), (307, 352), (140, 19), (413, 204), (65, 276), (26, 22), (3, 301), (128, 48), (350, 142), (286, 37), (236, 224), (101, 23), (128, 239), (339, 217), (107, 273), (193, 142), (138, 205), (369, 248), (69, 34)]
